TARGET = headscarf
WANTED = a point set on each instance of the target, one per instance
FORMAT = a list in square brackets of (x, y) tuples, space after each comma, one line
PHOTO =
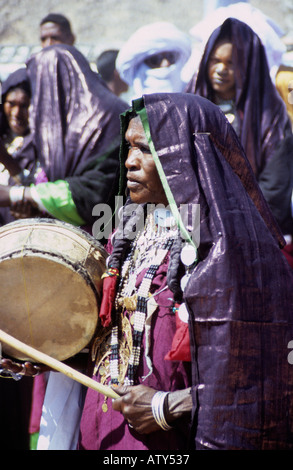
[(17, 79), (239, 296), (74, 124), (266, 28), (262, 113), (146, 41)]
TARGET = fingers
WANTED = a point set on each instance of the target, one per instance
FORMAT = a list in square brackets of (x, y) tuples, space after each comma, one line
[(135, 405), (122, 389), (26, 368)]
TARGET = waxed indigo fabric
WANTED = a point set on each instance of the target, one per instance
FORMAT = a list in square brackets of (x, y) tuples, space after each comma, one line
[(74, 124), (239, 296), (260, 111)]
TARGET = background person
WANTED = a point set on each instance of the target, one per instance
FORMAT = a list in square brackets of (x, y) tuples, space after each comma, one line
[(56, 29), (74, 161), (152, 58), (234, 74), (106, 65)]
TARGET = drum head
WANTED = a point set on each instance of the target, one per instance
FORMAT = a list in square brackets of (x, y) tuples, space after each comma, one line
[(49, 294)]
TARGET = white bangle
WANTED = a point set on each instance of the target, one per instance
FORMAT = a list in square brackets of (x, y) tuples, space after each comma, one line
[(16, 194), (158, 410)]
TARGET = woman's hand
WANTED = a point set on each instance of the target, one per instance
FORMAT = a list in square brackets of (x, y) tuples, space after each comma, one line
[(27, 369), (135, 403)]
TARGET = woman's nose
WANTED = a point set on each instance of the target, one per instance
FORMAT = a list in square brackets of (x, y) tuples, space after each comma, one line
[(221, 68), (16, 111), (132, 160), (48, 42)]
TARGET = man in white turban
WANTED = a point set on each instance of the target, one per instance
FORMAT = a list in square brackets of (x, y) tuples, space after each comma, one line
[(153, 57)]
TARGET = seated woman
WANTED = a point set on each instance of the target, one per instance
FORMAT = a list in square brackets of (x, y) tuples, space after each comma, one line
[(73, 150), (194, 331), (234, 74)]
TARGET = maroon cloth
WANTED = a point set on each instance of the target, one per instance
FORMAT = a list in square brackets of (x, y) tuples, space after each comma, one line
[(110, 431), (264, 125)]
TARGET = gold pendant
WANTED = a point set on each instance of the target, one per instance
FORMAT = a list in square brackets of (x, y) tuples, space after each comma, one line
[(130, 303), (105, 407)]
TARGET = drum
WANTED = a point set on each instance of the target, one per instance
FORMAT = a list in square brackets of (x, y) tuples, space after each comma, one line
[(50, 286)]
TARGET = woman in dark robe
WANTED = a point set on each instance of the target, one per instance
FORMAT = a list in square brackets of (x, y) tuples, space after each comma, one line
[(254, 108), (74, 146), (210, 329)]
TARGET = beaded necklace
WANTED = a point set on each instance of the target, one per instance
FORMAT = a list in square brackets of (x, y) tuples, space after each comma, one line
[(149, 251)]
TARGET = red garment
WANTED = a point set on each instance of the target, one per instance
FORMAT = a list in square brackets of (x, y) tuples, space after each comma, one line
[(100, 431), (38, 395)]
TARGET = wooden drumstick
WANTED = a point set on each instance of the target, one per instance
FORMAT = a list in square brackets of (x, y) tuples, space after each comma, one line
[(49, 361)]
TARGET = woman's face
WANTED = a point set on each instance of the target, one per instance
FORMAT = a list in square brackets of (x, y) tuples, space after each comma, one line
[(144, 182), (16, 109), (221, 71)]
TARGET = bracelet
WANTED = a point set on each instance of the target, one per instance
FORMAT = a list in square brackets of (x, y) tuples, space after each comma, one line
[(111, 272), (16, 194), (158, 410)]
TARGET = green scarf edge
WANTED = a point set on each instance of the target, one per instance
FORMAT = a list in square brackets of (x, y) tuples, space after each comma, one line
[(140, 109)]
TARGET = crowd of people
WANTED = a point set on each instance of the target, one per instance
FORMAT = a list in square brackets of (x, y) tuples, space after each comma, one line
[(196, 312)]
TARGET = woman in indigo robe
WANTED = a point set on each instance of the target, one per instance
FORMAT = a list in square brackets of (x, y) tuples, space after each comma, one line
[(196, 339), (234, 74), (74, 127)]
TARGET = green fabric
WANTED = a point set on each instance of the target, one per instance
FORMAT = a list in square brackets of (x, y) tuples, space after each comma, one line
[(57, 199), (139, 108), (34, 441)]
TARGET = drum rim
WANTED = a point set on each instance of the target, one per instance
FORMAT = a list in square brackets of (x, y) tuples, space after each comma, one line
[(54, 222)]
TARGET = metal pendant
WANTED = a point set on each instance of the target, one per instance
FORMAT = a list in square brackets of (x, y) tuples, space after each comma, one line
[(183, 313), (188, 254)]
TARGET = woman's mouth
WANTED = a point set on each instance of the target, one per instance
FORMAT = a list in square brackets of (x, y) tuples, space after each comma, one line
[(132, 184)]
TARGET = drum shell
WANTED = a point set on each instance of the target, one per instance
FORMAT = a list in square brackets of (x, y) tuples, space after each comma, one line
[(50, 286)]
